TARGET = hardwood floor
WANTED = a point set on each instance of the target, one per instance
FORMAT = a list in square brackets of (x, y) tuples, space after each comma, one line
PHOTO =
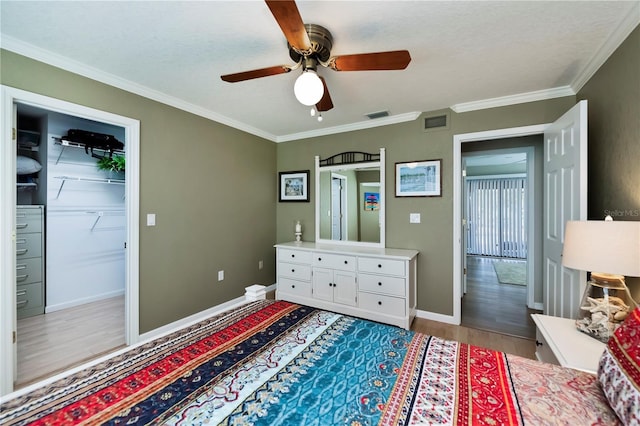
[(490, 305), (51, 343)]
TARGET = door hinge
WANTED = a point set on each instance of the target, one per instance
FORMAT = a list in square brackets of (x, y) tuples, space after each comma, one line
[(464, 271), (13, 134), (125, 244), (14, 336)]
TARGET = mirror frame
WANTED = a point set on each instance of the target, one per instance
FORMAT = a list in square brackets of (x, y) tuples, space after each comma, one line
[(350, 161)]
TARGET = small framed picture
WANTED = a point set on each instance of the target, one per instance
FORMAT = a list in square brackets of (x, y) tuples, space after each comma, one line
[(372, 201), (294, 186), (419, 179)]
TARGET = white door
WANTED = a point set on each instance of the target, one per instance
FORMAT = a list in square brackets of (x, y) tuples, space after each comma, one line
[(565, 198), (465, 227), (322, 284), (338, 207), (344, 288)]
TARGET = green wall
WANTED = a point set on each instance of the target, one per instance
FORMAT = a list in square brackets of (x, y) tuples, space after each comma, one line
[(407, 142), (213, 189), (613, 94)]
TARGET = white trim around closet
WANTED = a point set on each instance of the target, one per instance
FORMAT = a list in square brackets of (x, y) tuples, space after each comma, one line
[(10, 97)]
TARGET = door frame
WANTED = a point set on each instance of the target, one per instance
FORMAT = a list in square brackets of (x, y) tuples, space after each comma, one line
[(8, 323), (458, 140), (344, 211)]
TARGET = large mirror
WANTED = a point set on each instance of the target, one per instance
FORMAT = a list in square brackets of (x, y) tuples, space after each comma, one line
[(350, 201)]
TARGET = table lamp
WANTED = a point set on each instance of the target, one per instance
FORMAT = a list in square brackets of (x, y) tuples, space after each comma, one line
[(612, 247)]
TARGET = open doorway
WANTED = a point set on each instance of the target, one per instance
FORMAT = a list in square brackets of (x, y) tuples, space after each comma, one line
[(498, 209), (62, 190)]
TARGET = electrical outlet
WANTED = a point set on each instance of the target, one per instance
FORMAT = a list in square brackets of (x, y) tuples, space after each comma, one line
[(151, 219), (220, 275), (414, 217), (260, 264)]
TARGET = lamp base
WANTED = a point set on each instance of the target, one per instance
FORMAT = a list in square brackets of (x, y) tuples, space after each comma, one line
[(606, 302)]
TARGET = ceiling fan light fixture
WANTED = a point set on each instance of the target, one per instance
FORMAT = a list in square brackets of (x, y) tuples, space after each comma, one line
[(308, 88)]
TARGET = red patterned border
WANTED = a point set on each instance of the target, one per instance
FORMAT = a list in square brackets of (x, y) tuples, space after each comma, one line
[(625, 347), (101, 406), (484, 376)]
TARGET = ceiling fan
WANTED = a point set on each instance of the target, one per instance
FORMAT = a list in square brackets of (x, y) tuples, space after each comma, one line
[(310, 46)]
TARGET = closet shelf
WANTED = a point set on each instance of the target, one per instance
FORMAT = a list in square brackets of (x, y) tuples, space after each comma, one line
[(69, 144), (87, 179), (22, 186)]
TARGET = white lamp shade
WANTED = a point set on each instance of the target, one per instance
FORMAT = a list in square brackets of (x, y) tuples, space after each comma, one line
[(611, 247), (308, 88)]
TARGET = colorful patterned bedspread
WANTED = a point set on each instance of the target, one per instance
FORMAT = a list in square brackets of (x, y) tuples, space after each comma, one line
[(278, 363)]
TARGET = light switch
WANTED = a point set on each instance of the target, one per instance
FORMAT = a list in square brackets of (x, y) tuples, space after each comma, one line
[(414, 217), (151, 219)]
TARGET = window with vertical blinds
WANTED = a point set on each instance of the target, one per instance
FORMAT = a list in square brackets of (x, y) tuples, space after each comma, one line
[(496, 217)]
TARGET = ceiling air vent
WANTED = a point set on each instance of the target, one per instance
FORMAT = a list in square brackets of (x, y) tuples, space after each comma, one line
[(379, 114)]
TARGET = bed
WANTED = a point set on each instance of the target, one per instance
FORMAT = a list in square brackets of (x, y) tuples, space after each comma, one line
[(279, 363)]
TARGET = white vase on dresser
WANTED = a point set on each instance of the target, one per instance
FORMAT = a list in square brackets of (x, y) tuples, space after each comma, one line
[(378, 284)]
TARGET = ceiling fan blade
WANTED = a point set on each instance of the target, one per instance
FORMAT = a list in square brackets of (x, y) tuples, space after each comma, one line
[(325, 103), (290, 21), (393, 60), (262, 72)]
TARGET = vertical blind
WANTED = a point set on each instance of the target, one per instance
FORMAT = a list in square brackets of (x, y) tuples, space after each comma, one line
[(496, 217)]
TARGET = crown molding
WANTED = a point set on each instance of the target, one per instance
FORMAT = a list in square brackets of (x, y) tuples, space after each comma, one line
[(67, 64), (394, 119), (520, 98), (619, 35)]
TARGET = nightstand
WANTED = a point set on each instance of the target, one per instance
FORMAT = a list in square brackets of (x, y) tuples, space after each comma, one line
[(559, 342)]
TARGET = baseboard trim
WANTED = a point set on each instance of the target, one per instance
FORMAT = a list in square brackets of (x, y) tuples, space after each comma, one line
[(77, 302), (447, 319)]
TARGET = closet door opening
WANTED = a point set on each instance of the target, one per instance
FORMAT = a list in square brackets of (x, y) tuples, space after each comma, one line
[(70, 194)]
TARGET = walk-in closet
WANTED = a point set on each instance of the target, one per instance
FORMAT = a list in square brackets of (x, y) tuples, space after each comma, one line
[(70, 243)]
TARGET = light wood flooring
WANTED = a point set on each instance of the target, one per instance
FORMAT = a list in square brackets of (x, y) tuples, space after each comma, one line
[(490, 305), (51, 343)]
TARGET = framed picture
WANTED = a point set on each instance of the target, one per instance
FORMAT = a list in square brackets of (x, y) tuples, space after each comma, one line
[(294, 186), (419, 179), (372, 201)]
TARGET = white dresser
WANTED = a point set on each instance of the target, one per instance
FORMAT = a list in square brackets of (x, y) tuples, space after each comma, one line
[(373, 283)]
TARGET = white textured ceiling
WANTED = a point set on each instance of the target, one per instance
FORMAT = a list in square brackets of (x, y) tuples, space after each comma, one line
[(462, 52)]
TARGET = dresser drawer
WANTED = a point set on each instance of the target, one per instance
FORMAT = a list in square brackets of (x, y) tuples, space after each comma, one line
[(294, 256), (543, 350), (335, 261), (28, 245), (295, 271), (383, 304), (298, 288), (393, 286), (28, 220), (381, 266), (28, 270), (29, 297)]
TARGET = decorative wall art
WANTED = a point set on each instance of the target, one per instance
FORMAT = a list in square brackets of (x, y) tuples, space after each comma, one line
[(371, 201), (294, 186), (419, 179)]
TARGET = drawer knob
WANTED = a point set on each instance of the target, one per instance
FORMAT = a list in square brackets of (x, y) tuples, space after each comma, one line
[(379, 303), (319, 259), (293, 270), (379, 283), (379, 265), (293, 286), (293, 255), (345, 262), (538, 343)]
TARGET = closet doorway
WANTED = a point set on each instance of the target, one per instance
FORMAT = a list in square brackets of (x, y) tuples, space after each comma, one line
[(498, 195), (72, 290)]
